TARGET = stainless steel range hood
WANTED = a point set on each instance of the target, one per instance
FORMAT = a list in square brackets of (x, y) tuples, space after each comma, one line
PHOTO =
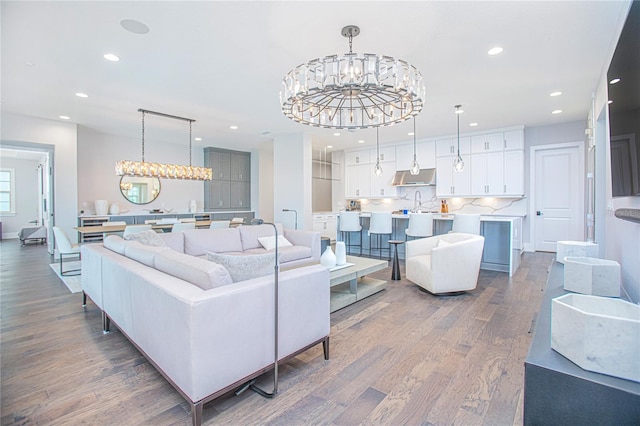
[(426, 177)]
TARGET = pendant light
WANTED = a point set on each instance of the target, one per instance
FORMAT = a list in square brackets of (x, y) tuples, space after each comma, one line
[(458, 164), (378, 168), (414, 169)]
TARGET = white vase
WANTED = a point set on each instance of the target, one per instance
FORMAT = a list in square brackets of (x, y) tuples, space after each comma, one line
[(193, 207), (114, 209), (341, 253), (102, 207), (328, 259)]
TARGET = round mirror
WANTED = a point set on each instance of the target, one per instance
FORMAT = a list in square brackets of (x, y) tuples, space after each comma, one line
[(139, 190)]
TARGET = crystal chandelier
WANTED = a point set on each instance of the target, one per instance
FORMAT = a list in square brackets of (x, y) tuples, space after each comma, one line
[(458, 164), (160, 170), (353, 90)]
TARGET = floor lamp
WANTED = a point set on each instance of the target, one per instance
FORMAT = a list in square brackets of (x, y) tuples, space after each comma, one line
[(276, 267)]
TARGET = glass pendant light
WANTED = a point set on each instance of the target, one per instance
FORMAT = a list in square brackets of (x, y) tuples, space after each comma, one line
[(458, 164), (378, 168), (415, 167)]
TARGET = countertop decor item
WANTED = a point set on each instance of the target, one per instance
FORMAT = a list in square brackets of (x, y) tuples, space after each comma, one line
[(341, 253), (328, 258), (590, 275), (114, 209), (102, 207), (352, 90), (160, 170)]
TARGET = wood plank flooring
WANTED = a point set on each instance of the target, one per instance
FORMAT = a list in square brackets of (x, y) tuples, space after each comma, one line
[(399, 357)]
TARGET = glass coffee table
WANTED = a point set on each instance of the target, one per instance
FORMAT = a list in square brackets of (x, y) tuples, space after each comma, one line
[(350, 284)]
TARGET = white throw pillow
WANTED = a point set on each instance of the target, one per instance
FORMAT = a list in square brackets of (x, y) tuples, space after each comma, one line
[(148, 238), (269, 243), (245, 267)]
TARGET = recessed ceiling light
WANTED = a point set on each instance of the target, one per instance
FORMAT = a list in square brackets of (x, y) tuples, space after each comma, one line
[(329, 146), (555, 93), (64, 117), (473, 124), (361, 141), (557, 111), (495, 50), (233, 127), (614, 81), (336, 134), (410, 134), (197, 139), (111, 57), (82, 95), (30, 64), (609, 102)]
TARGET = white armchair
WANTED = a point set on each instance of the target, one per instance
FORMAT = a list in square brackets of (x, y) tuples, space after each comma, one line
[(445, 263)]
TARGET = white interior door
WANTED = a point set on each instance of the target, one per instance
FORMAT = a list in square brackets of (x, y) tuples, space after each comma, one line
[(559, 196)]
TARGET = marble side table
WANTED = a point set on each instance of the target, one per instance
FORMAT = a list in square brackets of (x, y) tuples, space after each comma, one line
[(575, 248), (590, 275)]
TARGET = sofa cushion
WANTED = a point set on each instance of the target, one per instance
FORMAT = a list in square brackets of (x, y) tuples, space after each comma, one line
[(443, 243), (115, 243), (288, 254), (198, 242), (245, 267), (148, 238), (250, 234), (200, 272), (269, 243), (141, 253), (173, 240)]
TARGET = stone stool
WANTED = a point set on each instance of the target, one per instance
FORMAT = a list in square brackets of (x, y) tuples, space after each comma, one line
[(590, 275), (576, 249)]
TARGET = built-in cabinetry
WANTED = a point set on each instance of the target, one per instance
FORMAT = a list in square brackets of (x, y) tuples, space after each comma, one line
[(325, 224), (494, 166), (425, 154), (230, 187), (360, 180)]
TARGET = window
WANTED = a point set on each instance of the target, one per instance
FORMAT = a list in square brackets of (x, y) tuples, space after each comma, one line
[(7, 191)]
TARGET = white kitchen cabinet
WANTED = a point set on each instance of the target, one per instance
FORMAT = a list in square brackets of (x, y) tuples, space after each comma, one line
[(446, 147), (514, 173), (487, 174), (514, 140), (358, 181), (425, 154), (354, 158), (325, 224), (491, 142), (386, 154), (450, 183), (381, 185)]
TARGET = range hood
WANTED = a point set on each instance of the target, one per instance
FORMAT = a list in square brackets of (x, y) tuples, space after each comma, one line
[(426, 177)]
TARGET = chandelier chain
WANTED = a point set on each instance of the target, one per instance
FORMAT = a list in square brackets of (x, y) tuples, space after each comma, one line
[(143, 136), (190, 141)]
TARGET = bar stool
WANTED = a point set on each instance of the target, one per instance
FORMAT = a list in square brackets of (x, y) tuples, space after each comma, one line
[(420, 226), (380, 224), (350, 222), (466, 223)]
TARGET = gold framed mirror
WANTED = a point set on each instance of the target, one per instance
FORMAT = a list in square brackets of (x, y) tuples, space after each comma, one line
[(139, 190)]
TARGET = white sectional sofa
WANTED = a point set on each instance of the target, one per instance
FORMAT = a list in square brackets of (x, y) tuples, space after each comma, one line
[(205, 335)]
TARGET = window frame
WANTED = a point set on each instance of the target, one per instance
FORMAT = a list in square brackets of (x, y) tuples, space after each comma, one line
[(11, 191)]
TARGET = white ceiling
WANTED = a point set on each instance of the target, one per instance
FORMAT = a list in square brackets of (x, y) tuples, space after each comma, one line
[(221, 62)]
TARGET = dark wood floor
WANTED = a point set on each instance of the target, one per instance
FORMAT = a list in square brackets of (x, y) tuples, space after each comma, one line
[(401, 356)]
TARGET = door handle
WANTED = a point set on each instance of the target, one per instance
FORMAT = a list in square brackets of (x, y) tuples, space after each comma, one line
[(538, 213)]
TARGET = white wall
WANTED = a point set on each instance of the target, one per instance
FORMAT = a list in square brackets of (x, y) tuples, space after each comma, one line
[(97, 155), (26, 185), (265, 182), (63, 136)]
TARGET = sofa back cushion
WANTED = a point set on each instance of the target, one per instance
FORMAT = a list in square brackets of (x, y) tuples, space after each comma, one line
[(148, 238), (245, 267), (115, 243), (200, 272), (142, 253), (250, 234), (174, 240), (197, 242)]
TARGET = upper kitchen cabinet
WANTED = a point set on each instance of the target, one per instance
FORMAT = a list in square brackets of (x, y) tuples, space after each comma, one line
[(492, 142), (513, 140), (387, 155), (425, 154), (240, 167), (230, 187), (354, 158), (446, 147)]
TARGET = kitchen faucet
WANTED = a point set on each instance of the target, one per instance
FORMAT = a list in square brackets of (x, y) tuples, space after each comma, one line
[(417, 204)]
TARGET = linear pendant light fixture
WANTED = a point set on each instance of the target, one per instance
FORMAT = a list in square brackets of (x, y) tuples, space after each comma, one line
[(378, 169), (458, 164), (352, 91), (414, 169), (160, 170)]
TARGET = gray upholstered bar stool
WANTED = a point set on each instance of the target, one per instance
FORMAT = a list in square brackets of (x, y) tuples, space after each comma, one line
[(381, 224), (350, 222), (420, 225)]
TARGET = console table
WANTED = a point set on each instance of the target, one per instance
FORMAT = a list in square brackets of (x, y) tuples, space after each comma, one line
[(557, 391), (350, 284)]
